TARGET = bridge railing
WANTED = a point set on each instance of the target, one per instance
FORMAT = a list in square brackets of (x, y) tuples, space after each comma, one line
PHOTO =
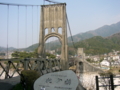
[(12, 67), (107, 82)]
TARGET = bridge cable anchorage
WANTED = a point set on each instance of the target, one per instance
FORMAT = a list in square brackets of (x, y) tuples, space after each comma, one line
[(51, 1), (11, 4), (7, 29), (71, 34)]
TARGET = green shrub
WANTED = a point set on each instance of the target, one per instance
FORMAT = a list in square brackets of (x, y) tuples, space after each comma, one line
[(119, 70), (18, 87), (29, 77)]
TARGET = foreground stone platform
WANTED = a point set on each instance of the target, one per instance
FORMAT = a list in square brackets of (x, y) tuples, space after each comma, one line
[(7, 84)]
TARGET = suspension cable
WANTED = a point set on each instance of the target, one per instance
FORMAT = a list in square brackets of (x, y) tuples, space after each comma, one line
[(18, 31), (32, 27), (37, 25), (7, 29), (43, 2), (48, 45), (53, 41), (51, 1), (70, 33), (26, 28), (17, 4)]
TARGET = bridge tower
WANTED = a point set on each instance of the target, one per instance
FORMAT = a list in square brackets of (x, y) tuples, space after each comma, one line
[(53, 16)]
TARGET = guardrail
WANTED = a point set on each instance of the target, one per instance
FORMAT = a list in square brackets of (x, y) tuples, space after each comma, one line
[(9, 67), (107, 82)]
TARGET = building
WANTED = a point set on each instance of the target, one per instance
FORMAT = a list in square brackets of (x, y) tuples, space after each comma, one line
[(81, 54), (105, 63)]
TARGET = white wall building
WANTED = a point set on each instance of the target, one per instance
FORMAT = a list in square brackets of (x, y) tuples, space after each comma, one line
[(105, 63), (116, 57)]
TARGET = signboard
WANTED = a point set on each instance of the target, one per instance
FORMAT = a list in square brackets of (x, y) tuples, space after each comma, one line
[(63, 80)]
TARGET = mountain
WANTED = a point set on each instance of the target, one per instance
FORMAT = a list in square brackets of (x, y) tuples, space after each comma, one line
[(2, 49), (114, 36), (31, 48), (104, 31), (100, 45)]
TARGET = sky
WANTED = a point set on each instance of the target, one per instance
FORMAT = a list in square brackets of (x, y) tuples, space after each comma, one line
[(83, 15)]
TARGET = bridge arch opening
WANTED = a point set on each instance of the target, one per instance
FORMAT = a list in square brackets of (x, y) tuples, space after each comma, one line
[(60, 30), (53, 46), (53, 30), (46, 31)]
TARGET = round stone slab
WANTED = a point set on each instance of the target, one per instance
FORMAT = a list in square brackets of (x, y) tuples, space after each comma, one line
[(63, 80)]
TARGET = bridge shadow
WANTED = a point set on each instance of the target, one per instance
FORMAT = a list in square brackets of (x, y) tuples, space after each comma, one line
[(80, 75), (84, 68), (79, 72)]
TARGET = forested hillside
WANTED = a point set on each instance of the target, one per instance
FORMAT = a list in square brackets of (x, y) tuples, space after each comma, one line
[(100, 45)]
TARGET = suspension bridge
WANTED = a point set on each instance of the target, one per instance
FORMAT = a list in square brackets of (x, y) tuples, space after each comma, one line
[(53, 23)]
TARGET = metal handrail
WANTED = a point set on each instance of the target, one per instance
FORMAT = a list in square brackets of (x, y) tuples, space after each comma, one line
[(38, 64)]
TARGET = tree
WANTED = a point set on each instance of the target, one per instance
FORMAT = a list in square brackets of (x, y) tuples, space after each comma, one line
[(50, 55), (16, 54), (34, 54), (25, 54), (89, 60)]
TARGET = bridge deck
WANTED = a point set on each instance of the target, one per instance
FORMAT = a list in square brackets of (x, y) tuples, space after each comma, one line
[(7, 84)]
